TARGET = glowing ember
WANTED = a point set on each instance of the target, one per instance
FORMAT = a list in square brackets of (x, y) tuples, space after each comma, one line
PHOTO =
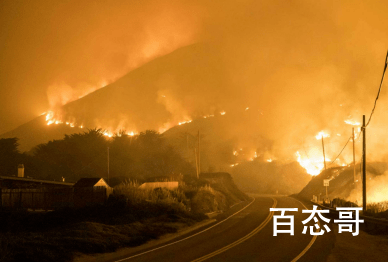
[(269, 160), (322, 134), (223, 113), (235, 153), (246, 109)]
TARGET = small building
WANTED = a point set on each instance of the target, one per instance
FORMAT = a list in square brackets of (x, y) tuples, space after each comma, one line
[(91, 191), (92, 182)]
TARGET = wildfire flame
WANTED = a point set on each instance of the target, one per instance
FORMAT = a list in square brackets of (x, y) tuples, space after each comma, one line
[(313, 166), (184, 122), (322, 134)]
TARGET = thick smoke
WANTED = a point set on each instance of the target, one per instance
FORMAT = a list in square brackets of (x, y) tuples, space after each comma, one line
[(55, 52), (376, 189), (301, 66)]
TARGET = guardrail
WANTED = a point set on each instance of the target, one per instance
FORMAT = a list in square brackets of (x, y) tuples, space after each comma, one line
[(367, 219)]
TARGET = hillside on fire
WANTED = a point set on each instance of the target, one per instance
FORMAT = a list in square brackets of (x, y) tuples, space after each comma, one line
[(346, 183), (144, 98), (249, 158)]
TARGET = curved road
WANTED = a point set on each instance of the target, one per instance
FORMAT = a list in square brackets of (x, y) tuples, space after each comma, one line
[(244, 233)]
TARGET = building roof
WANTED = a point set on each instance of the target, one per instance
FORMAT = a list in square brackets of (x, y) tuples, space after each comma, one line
[(88, 182), (24, 179)]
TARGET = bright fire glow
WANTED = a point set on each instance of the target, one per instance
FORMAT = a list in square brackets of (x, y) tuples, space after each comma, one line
[(322, 134), (313, 166), (184, 122), (223, 113)]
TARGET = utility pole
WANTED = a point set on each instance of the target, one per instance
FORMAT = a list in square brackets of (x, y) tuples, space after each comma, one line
[(196, 162), (354, 157), (199, 155), (363, 164), (108, 165), (324, 158)]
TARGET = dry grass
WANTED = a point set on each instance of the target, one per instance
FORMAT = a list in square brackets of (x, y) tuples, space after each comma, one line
[(135, 195), (377, 207)]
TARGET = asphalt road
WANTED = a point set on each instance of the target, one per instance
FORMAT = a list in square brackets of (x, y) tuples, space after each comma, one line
[(244, 233)]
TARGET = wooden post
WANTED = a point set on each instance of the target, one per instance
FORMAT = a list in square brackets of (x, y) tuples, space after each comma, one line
[(354, 157), (364, 164), (196, 162), (324, 157), (199, 155)]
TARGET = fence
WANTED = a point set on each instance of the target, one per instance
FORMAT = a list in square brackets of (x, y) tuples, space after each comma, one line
[(52, 198)]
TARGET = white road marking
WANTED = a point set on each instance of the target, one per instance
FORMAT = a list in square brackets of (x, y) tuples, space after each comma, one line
[(237, 242), (140, 254)]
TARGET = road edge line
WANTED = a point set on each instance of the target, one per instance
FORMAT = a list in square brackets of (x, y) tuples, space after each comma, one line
[(241, 240), (170, 244)]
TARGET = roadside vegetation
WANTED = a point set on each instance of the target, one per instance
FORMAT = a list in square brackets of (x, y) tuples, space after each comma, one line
[(61, 235), (378, 209), (85, 155), (130, 217)]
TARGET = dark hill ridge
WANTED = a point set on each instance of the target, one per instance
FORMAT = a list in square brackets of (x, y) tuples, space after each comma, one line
[(37, 131)]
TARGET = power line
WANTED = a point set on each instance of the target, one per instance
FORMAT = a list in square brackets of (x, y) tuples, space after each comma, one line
[(341, 151), (378, 93)]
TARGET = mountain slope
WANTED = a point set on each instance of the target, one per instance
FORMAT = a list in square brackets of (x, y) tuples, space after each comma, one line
[(143, 99)]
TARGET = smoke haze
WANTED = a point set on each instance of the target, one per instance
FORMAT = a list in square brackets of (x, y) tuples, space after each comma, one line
[(301, 66)]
